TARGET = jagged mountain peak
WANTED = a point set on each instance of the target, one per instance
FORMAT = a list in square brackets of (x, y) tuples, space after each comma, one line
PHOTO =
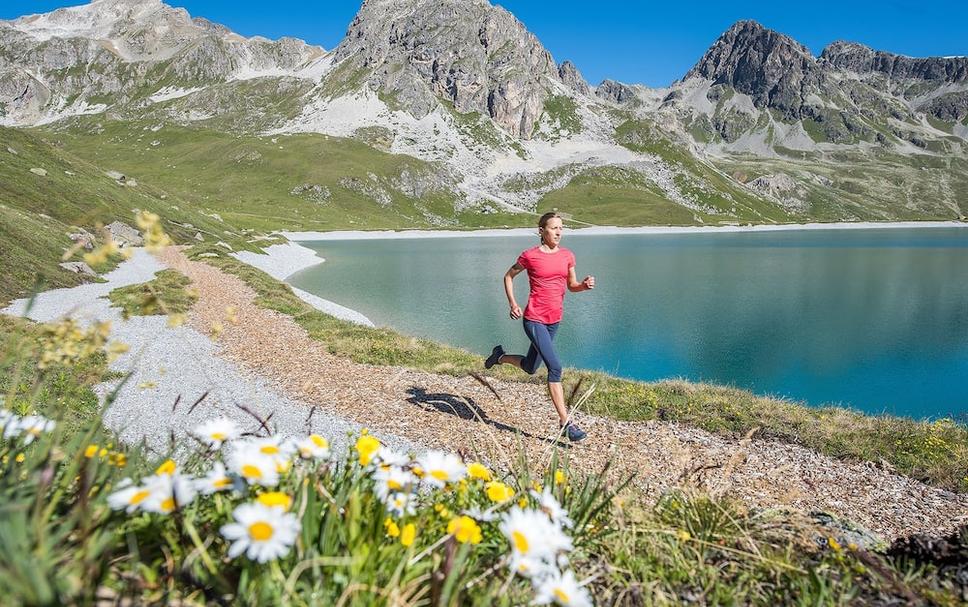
[(476, 56)]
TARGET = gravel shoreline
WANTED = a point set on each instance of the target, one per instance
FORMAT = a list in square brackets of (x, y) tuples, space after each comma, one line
[(281, 261), (168, 364)]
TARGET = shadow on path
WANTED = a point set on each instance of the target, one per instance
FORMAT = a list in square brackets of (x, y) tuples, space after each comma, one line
[(466, 409)]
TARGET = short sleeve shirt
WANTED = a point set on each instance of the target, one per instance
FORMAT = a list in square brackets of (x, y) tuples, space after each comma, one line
[(548, 279)]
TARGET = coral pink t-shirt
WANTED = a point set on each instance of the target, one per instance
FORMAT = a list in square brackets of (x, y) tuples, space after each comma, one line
[(548, 278)]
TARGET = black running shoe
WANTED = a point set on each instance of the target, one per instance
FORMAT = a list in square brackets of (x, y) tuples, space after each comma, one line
[(495, 356), (574, 433)]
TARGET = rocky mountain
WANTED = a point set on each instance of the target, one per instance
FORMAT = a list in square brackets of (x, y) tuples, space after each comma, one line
[(477, 56), (758, 130)]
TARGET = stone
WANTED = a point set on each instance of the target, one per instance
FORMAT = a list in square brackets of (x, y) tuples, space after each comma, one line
[(199, 237), (124, 235), (78, 267), (37, 171), (83, 238), (12, 151)]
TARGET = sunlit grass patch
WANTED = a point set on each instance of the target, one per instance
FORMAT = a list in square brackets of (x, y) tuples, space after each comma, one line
[(168, 293)]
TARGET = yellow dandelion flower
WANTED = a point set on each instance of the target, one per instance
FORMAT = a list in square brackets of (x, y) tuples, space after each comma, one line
[(464, 529), (367, 446), (393, 530), (522, 502), (20, 458), (408, 534), (479, 471), (683, 535), (91, 451), (499, 492), (559, 477), (834, 544)]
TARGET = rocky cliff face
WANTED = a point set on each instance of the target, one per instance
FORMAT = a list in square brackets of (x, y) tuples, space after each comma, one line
[(115, 52), (860, 59), (774, 70), (477, 56)]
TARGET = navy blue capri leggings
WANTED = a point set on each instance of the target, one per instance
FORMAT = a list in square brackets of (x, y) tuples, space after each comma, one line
[(542, 349)]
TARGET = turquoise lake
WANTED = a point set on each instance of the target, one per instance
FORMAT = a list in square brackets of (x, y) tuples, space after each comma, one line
[(874, 319)]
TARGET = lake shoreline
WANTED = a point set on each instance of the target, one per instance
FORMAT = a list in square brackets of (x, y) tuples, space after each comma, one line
[(615, 230)]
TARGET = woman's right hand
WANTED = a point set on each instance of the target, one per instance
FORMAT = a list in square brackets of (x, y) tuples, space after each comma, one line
[(516, 312)]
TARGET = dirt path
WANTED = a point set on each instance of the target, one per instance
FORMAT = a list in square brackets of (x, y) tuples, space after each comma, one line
[(460, 413)]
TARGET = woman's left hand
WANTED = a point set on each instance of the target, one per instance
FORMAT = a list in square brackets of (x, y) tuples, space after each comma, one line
[(588, 283)]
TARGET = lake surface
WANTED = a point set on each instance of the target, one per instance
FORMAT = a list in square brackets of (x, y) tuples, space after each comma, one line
[(874, 319)]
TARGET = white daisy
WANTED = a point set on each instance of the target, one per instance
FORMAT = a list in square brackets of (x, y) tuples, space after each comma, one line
[(168, 492), (532, 534), (253, 466), (391, 480), (531, 567), (263, 533), (401, 504), (214, 432), (440, 468), (129, 497), (561, 588), (276, 448), (216, 480), (387, 457), (31, 426), (552, 507), (313, 446), (6, 417)]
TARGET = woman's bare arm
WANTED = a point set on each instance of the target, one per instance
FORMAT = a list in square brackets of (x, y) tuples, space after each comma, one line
[(509, 290)]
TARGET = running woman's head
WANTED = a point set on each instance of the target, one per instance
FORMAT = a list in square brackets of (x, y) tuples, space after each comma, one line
[(549, 229)]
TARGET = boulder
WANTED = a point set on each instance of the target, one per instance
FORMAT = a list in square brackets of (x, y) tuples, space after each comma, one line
[(83, 238), (78, 267), (124, 235)]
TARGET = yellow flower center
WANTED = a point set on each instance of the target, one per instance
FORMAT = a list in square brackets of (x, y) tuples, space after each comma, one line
[(166, 468), (319, 441), (561, 596), (269, 449), (139, 497), (217, 436), (222, 483), (520, 542), (275, 499), (499, 492), (168, 505), (440, 475), (260, 531), (393, 484), (250, 471)]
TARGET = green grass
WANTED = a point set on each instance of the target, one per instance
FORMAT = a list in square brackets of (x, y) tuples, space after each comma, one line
[(60, 391), (167, 293), (37, 212), (562, 112), (936, 453)]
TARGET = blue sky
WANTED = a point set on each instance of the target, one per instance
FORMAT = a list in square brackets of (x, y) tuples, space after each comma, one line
[(651, 43)]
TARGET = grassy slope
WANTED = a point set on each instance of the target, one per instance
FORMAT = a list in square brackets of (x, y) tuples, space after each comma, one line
[(36, 212), (248, 179), (934, 452)]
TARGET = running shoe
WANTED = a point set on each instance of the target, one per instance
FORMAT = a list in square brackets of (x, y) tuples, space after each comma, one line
[(574, 433), (495, 356)]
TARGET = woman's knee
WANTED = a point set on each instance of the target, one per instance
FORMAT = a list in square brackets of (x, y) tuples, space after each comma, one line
[(554, 374)]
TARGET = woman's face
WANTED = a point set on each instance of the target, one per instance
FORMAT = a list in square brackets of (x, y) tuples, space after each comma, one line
[(551, 233)]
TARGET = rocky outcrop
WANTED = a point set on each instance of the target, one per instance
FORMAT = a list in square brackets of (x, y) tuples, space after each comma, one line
[(615, 92), (482, 60), (572, 78)]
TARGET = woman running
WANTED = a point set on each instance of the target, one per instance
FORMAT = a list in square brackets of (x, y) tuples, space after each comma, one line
[(550, 268)]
